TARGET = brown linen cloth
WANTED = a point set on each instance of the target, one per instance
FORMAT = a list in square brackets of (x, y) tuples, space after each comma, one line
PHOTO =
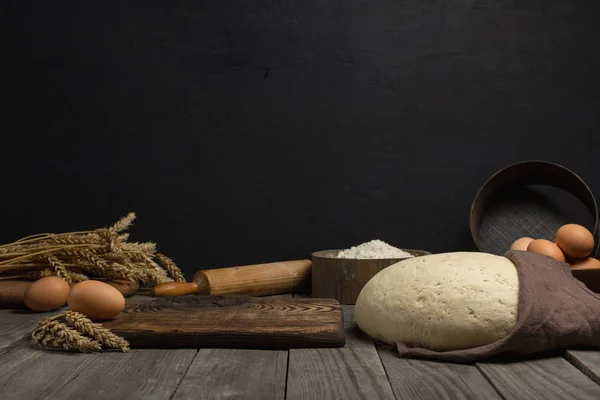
[(555, 311)]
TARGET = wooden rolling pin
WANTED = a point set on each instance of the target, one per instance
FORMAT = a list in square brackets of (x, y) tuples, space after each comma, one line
[(248, 280)]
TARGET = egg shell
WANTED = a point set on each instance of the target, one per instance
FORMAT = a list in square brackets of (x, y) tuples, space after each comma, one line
[(546, 247), (575, 241), (97, 300), (47, 294), (521, 243)]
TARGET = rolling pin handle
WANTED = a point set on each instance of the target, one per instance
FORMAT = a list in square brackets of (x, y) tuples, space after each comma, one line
[(169, 289)]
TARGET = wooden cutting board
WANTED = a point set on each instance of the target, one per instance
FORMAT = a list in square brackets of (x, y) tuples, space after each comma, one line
[(231, 322), (12, 291)]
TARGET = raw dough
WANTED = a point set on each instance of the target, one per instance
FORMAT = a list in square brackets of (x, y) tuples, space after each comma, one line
[(442, 302)]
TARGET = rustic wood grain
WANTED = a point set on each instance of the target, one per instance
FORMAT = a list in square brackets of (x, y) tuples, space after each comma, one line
[(232, 322), (27, 373), (138, 374), (138, 298), (544, 378), (15, 324), (418, 379), (11, 293), (587, 361), (235, 374), (352, 372)]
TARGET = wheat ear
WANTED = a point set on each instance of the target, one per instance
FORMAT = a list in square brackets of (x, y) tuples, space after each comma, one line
[(96, 331), (170, 266), (68, 330), (59, 268), (123, 224), (55, 335)]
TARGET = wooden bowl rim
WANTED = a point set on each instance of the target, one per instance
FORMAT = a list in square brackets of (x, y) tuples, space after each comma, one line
[(327, 254)]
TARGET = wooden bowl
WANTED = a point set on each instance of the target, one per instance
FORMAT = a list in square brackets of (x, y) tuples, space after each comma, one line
[(342, 278), (531, 198)]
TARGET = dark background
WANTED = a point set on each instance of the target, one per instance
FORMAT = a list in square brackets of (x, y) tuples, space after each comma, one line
[(252, 131)]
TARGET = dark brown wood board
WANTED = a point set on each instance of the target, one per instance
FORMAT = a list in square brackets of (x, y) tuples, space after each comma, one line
[(12, 291), (231, 322)]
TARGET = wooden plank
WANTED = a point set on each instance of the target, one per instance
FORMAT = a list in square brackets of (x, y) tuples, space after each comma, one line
[(139, 298), (235, 374), (420, 379), (231, 322), (544, 378), (138, 374), (11, 293), (15, 324), (352, 372), (587, 361), (26, 373)]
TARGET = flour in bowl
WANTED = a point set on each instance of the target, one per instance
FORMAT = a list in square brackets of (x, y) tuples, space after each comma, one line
[(374, 249)]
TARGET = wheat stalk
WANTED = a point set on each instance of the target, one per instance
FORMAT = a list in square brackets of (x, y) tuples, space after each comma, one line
[(59, 268), (98, 332), (123, 224), (68, 330), (170, 266), (77, 277), (55, 335), (76, 256)]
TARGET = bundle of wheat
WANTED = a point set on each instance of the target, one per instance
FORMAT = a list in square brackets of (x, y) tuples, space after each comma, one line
[(77, 256), (71, 330)]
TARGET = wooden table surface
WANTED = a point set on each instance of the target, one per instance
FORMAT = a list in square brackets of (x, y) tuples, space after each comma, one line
[(360, 370)]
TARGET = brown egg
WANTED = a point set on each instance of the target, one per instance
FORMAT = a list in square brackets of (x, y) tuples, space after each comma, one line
[(96, 300), (585, 263), (575, 241), (47, 294), (546, 247), (521, 244)]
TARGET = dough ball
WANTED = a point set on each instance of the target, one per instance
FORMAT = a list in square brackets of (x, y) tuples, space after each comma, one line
[(442, 302)]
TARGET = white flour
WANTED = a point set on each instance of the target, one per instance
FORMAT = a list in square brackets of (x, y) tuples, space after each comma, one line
[(373, 249)]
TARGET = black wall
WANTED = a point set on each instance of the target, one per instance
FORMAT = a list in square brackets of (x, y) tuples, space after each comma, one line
[(253, 131)]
